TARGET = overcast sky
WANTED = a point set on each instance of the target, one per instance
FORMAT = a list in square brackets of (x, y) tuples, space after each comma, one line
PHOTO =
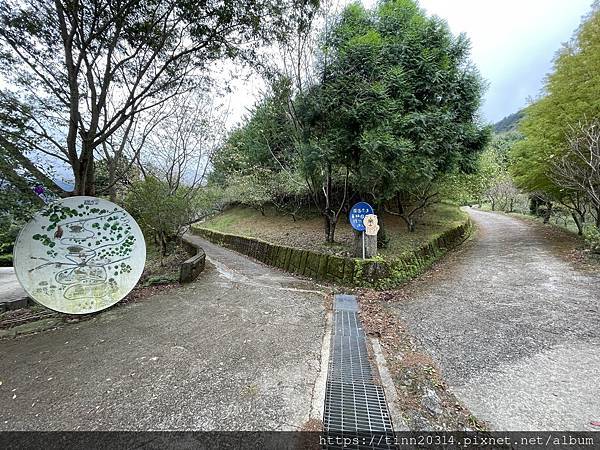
[(513, 44)]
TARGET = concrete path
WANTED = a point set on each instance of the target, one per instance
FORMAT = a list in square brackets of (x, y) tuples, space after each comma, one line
[(515, 329), (12, 295), (239, 349)]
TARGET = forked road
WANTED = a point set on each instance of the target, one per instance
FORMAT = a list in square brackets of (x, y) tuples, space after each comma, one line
[(239, 349), (515, 328)]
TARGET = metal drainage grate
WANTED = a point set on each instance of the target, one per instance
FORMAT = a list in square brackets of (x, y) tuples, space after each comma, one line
[(347, 323), (345, 303), (355, 407), (349, 361)]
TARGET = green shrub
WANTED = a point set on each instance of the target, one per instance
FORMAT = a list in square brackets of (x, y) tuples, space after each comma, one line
[(592, 238), (6, 260), (9, 230), (156, 280), (161, 212)]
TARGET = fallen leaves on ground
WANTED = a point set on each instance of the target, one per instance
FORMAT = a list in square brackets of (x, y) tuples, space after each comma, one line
[(423, 396)]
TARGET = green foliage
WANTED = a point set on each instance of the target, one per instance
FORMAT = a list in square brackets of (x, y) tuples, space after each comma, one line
[(255, 190), (509, 123), (398, 100), (161, 213), (263, 188), (592, 238), (9, 230), (6, 260), (491, 177), (571, 95), (463, 189), (265, 141), (392, 111), (157, 280)]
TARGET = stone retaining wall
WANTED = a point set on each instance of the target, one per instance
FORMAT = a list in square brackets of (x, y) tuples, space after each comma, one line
[(192, 267), (376, 272)]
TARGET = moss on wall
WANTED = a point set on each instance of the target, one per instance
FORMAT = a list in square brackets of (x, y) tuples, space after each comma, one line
[(376, 272)]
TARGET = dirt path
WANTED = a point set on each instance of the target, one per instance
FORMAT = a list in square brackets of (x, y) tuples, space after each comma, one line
[(239, 349), (514, 327)]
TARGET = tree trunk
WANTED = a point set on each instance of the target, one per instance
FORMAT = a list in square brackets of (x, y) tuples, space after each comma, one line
[(330, 218), (84, 173), (162, 242), (330, 224), (408, 220), (548, 212), (382, 237), (112, 190), (327, 224), (578, 221), (533, 206)]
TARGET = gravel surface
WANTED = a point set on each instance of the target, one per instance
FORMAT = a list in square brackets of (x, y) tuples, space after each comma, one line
[(514, 327)]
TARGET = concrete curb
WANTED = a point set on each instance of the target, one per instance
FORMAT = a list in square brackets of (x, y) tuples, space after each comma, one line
[(192, 267)]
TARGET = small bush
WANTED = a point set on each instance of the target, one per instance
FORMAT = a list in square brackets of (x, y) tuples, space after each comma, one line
[(161, 212), (592, 238), (6, 260), (156, 280)]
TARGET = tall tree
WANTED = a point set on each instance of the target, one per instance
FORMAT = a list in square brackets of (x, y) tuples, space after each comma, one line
[(578, 170), (398, 104), (570, 97), (85, 68)]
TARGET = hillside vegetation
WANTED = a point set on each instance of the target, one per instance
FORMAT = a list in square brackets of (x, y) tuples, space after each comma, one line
[(509, 123)]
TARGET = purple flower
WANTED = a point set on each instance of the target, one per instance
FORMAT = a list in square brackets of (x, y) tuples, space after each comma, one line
[(39, 189)]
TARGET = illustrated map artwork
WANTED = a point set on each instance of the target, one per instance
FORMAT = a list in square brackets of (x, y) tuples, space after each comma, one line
[(80, 255)]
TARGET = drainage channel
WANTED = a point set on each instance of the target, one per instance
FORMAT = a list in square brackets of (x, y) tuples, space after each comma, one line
[(356, 414)]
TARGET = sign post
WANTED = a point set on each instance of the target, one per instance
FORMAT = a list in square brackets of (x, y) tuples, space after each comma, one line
[(363, 242), (357, 216)]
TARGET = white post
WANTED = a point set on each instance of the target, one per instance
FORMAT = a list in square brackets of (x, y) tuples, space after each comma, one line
[(363, 243)]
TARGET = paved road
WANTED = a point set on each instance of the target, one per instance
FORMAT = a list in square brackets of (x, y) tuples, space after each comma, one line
[(514, 327), (10, 289), (239, 349)]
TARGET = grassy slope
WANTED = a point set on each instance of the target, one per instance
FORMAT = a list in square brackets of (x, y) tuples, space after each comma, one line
[(308, 232)]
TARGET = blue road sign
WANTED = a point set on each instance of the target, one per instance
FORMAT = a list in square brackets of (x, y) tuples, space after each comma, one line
[(358, 213)]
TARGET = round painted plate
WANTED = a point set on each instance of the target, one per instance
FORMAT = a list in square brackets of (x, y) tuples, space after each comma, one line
[(80, 255)]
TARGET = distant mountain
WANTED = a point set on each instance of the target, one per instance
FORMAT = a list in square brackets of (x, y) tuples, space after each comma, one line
[(509, 123)]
